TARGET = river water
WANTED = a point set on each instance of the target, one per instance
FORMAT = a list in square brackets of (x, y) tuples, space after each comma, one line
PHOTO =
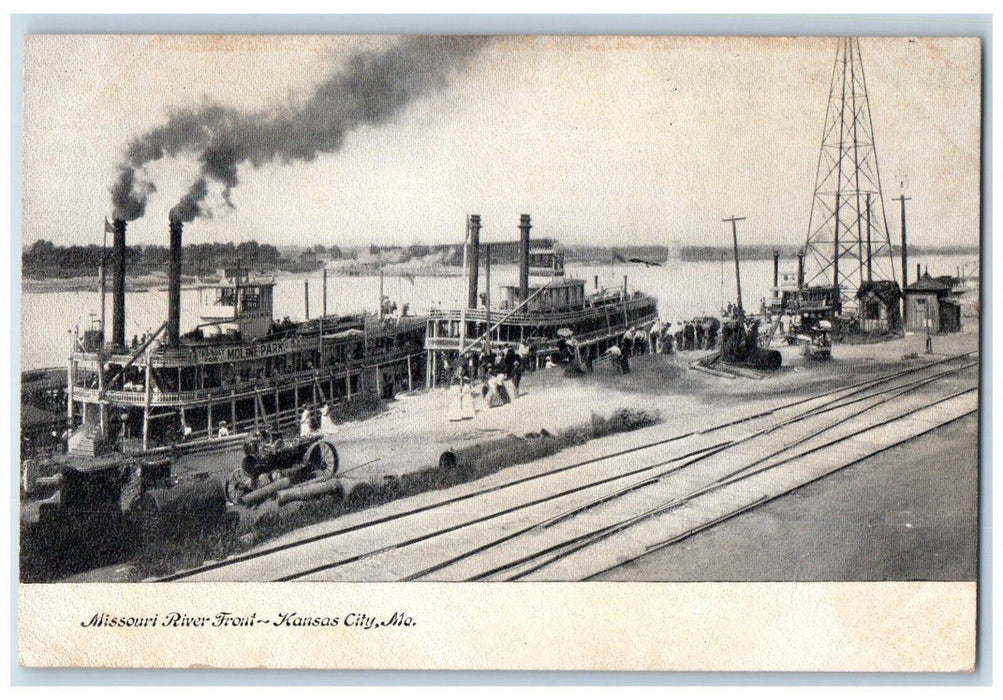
[(683, 290)]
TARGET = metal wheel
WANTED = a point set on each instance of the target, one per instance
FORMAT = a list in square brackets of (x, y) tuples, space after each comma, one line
[(322, 458)]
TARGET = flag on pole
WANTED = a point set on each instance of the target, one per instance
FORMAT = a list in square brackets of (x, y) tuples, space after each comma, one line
[(108, 228)]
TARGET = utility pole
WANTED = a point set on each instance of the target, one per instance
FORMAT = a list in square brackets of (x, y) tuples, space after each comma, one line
[(902, 199), (738, 275)]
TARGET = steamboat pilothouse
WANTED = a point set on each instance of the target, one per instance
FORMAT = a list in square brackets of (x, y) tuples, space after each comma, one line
[(543, 311), (238, 370)]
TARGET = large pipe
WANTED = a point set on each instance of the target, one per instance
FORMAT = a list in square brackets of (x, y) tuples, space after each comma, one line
[(174, 287), (473, 259), (260, 494), (170, 513), (307, 491), (524, 227), (118, 284)]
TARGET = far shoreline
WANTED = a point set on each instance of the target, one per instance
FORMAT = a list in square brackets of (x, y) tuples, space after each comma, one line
[(158, 280)]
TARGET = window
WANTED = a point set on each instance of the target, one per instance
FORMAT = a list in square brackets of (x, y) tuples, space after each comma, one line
[(250, 298)]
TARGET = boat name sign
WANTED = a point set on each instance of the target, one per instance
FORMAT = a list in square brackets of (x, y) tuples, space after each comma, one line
[(241, 352)]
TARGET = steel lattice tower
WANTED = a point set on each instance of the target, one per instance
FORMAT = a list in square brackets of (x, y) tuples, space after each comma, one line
[(848, 240)]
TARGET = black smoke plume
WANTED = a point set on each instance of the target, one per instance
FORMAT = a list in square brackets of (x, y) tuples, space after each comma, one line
[(370, 89), (129, 195), (190, 205)]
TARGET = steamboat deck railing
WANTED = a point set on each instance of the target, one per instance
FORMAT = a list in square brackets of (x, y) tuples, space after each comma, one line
[(187, 356), (543, 317), (245, 389)]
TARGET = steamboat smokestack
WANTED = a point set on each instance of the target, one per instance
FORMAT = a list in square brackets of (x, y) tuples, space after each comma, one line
[(524, 227), (174, 286), (473, 259), (776, 269), (118, 284), (800, 268)]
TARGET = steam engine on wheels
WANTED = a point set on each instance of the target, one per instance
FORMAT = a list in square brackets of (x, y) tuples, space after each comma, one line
[(291, 469)]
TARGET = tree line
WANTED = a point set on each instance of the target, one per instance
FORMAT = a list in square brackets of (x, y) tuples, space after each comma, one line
[(43, 259)]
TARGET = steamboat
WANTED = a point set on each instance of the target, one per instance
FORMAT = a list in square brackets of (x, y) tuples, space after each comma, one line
[(544, 312), (237, 370)]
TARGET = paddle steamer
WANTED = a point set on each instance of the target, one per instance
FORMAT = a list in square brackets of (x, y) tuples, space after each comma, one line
[(237, 370), (543, 312)]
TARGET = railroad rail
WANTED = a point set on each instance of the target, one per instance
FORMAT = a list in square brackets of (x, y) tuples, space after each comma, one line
[(284, 561), (540, 560)]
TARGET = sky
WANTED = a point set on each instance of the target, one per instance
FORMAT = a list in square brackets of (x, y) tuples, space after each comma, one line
[(603, 141)]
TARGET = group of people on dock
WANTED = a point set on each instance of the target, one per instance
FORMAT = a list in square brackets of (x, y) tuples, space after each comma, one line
[(489, 390), (701, 333), (666, 337), (486, 361), (486, 377), (697, 334), (486, 369)]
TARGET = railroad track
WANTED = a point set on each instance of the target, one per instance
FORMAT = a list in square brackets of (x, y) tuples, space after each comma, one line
[(539, 561), (524, 524)]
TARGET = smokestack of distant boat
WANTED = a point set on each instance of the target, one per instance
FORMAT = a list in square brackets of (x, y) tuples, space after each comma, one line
[(174, 285), (118, 284), (524, 227), (473, 259)]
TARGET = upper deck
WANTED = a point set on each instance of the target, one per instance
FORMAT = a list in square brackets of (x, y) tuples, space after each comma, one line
[(236, 304), (300, 337)]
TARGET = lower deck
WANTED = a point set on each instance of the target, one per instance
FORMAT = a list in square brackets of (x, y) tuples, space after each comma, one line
[(276, 404)]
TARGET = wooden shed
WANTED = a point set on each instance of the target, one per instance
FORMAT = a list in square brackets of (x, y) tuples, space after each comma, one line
[(879, 306), (928, 306)]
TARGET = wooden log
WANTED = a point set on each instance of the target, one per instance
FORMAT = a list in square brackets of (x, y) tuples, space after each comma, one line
[(260, 494), (309, 491)]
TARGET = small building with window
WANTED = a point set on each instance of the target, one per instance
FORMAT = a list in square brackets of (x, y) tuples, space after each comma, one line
[(879, 303), (928, 307)]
